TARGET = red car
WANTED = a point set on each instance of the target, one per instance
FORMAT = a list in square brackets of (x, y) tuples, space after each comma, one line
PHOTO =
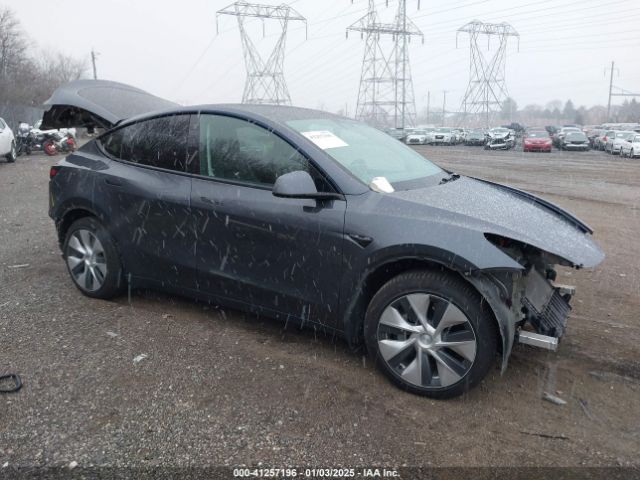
[(536, 141)]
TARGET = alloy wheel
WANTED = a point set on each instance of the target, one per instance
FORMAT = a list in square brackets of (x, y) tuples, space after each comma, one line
[(86, 260), (426, 340)]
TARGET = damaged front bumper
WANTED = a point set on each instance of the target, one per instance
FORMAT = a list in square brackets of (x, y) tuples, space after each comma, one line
[(529, 306)]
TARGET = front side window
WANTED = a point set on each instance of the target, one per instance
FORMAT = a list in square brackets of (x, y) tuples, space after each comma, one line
[(159, 142), (364, 151), (237, 150)]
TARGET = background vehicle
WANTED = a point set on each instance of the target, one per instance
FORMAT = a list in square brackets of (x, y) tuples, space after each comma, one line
[(500, 139), (575, 141), (417, 137), (600, 141), (593, 135), (536, 141), (442, 135), (614, 141), (457, 135), (630, 146), (558, 137), (7, 142), (397, 133), (475, 137)]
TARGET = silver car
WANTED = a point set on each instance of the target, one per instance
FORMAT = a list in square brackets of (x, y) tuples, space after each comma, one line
[(614, 142), (631, 146), (443, 135)]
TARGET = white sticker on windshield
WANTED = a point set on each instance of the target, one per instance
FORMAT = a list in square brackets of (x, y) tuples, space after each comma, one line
[(325, 139)]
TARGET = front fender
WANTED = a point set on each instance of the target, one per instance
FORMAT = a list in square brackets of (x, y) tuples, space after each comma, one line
[(367, 273)]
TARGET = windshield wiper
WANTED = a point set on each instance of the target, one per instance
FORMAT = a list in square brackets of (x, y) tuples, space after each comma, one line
[(452, 176)]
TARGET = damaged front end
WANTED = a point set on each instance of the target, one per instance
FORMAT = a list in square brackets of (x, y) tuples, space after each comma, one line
[(530, 306)]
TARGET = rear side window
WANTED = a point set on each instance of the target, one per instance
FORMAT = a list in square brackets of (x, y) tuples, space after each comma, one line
[(159, 142)]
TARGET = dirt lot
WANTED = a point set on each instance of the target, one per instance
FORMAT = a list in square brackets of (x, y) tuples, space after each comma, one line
[(224, 388)]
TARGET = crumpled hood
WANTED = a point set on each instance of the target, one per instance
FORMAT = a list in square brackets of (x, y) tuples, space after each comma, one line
[(498, 135), (497, 209)]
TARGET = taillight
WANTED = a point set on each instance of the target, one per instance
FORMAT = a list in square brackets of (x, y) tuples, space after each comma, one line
[(53, 171)]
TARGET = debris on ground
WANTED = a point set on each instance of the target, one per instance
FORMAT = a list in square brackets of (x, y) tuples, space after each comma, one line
[(553, 399), (585, 408), (545, 435), (139, 358)]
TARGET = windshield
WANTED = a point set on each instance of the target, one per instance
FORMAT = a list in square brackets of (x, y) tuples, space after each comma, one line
[(365, 151), (576, 135), (537, 135), (419, 132), (443, 130)]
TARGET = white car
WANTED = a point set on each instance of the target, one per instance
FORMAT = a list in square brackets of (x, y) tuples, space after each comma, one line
[(615, 141), (7, 142), (417, 137), (442, 135), (630, 147)]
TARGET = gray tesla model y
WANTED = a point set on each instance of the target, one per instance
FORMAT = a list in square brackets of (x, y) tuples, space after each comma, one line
[(304, 215)]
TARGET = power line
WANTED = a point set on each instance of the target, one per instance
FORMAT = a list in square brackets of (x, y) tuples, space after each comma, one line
[(487, 87), (386, 92), (265, 79)]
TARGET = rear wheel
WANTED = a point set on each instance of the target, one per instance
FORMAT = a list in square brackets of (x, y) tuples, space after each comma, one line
[(429, 334), (92, 259), (13, 154)]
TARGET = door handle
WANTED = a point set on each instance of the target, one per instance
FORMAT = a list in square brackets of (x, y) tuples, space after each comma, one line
[(113, 183)]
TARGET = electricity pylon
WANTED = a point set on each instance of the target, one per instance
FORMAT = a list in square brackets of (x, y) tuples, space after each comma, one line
[(265, 79), (487, 87), (386, 94)]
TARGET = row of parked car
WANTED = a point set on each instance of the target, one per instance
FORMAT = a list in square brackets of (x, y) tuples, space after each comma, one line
[(614, 139), (624, 142), (447, 135)]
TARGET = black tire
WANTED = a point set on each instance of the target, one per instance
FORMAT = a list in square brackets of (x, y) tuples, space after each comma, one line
[(448, 288), (12, 155), (113, 280)]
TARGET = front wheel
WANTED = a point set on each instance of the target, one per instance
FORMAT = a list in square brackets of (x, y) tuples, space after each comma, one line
[(428, 332), (92, 259)]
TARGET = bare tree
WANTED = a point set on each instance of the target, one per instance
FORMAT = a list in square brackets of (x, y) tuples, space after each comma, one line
[(13, 43)]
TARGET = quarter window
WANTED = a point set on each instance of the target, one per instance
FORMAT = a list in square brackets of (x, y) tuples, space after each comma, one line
[(159, 142), (234, 149)]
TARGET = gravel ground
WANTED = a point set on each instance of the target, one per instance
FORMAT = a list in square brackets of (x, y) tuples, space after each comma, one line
[(218, 387)]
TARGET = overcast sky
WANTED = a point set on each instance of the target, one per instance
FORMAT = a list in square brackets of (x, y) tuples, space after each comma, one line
[(171, 49)]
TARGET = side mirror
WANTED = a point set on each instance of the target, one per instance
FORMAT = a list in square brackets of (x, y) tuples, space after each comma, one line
[(299, 184)]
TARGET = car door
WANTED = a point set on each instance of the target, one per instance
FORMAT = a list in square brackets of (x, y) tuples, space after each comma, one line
[(279, 254), (148, 193)]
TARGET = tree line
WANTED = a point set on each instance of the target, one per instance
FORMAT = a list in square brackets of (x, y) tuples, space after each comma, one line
[(29, 75)]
